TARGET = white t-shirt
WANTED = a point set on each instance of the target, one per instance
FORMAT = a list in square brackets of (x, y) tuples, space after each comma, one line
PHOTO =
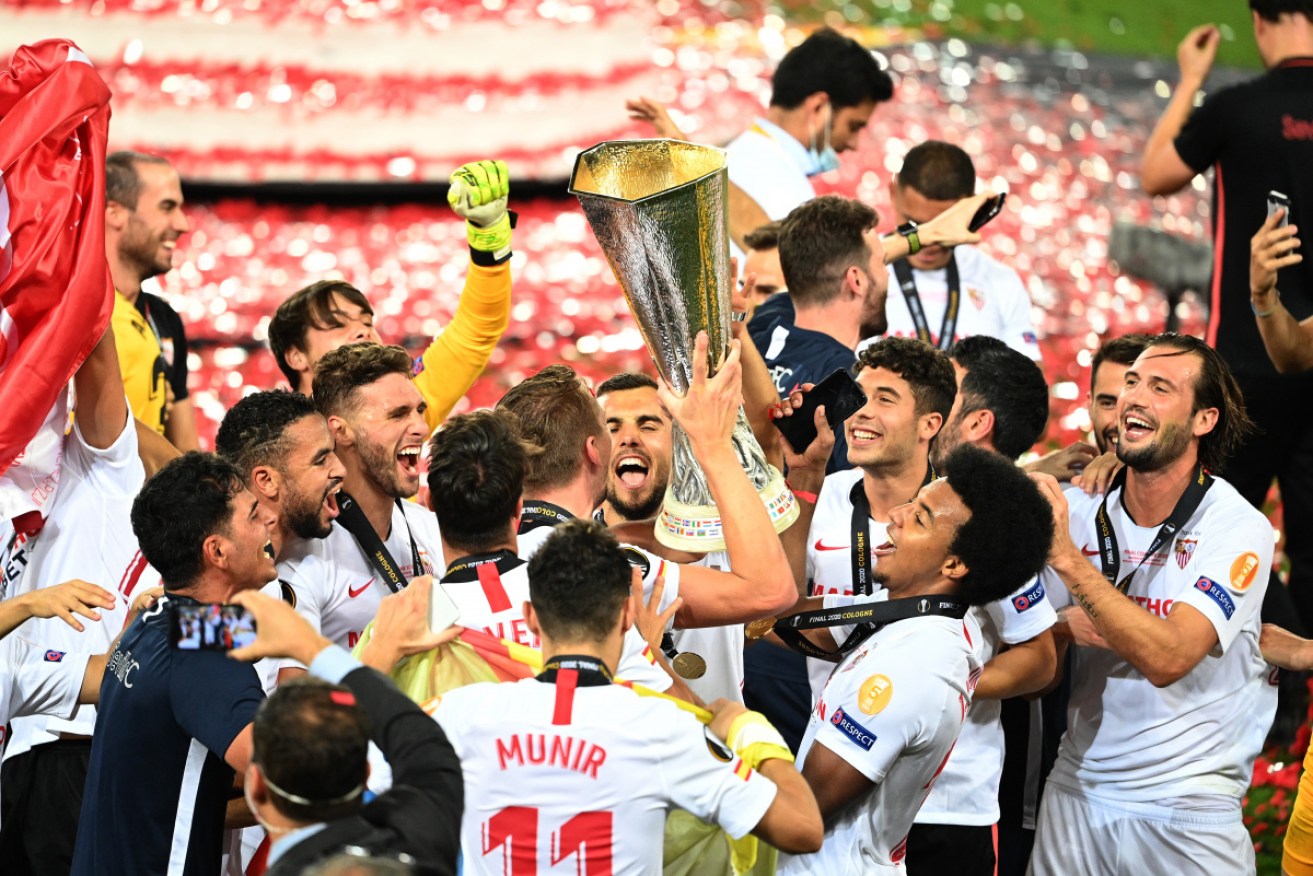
[(581, 779), (335, 586), (770, 166), (637, 663), (1127, 740), (721, 647), (966, 792), (994, 302), (88, 535), (38, 681), (892, 711)]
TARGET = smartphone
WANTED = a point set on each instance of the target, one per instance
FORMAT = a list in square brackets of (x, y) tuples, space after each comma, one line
[(1277, 201), (987, 211), (842, 397), (443, 611), (210, 626)]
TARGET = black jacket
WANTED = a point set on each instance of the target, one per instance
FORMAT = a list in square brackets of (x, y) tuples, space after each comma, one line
[(420, 814)]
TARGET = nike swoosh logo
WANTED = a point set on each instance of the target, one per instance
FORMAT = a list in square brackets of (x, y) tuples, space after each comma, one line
[(1089, 553), (830, 547), (353, 592)]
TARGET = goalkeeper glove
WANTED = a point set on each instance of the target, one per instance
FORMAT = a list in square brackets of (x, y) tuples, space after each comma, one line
[(478, 194)]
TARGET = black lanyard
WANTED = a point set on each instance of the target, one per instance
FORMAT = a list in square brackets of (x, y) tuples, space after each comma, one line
[(537, 513), (903, 271), (354, 521), (1110, 554), (459, 571), (860, 538), (869, 618), (591, 671)]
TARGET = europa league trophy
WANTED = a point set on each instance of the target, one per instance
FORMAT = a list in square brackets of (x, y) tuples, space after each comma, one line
[(659, 210)]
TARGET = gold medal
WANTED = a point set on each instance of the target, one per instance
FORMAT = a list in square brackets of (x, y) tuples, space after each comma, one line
[(689, 665), (759, 628)]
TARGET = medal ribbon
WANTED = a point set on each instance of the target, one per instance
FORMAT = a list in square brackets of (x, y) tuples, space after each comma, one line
[(1110, 554), (948, 328)]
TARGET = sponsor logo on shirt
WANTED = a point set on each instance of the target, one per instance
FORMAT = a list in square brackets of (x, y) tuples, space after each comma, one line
[(1185, 550), (1296, 129), (856, 733), (1028, 600), (830, 547), (54, 656), (353, 592), (1243, 571), (419, 367), (1160, 607), (875, 694), (1089, 552), (1218, 594)]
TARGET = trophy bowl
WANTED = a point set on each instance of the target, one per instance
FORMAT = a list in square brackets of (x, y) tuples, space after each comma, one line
[(659, 209)]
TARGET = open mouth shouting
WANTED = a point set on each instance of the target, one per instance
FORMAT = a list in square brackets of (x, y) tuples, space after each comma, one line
[(330, 500), (632, 471), (269, 550), (1136, 427), (408, 460)]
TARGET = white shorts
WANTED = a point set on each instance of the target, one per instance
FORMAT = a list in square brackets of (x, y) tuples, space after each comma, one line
[(1105, 838)]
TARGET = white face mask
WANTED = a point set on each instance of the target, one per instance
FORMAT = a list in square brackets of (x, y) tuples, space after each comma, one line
[(824, 159)]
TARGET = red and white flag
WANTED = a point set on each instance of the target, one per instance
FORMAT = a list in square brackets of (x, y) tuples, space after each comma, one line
[(55, 289)]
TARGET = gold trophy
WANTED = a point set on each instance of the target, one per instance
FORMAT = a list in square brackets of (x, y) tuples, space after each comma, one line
[(659, 210)]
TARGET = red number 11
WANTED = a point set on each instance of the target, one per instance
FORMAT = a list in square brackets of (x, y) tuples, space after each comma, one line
[(516, 828)]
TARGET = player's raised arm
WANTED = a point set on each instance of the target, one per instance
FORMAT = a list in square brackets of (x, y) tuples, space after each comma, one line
[(761, 583)]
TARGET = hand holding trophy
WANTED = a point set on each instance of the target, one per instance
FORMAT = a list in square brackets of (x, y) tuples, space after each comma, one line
[(659, 210)]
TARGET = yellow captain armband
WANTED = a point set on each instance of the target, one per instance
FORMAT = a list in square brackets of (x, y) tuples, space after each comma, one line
[(755, 740)]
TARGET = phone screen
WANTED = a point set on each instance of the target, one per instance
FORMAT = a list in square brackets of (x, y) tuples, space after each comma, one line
[(211, 626), (842, 397)]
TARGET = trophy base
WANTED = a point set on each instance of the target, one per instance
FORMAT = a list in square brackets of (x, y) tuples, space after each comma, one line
[(698, 528)]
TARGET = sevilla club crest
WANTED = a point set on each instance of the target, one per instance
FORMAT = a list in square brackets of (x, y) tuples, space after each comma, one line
[(1185, 550)]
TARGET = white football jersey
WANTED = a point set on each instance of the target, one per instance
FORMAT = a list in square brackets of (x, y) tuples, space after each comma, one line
[(721, 648), (829, 551), (892, 711), (994, 302), (637, 663), (331, 582), (1128, 740), (88, 535), (491, 596), (568, 780), (966, 792), (38, 681)]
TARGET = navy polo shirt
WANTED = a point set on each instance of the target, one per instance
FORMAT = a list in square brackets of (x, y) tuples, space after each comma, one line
[(796, 356), (158, 786)]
